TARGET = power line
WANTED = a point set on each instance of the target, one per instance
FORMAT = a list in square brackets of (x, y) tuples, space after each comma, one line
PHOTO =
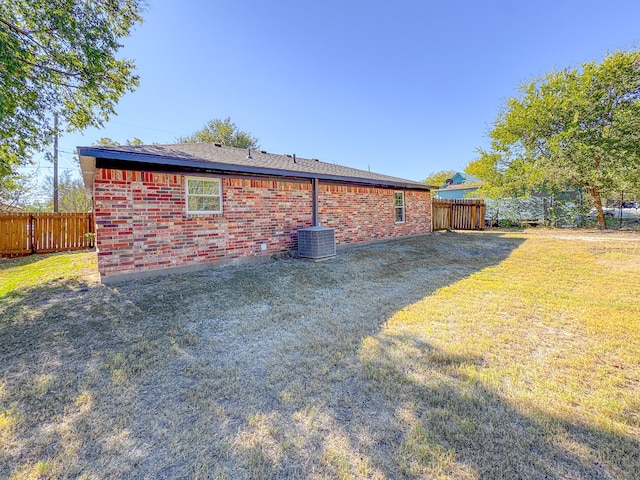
[(116, 122), (143, 127), (69, 160)]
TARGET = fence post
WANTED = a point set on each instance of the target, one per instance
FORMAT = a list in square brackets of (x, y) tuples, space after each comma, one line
[(31, 235)]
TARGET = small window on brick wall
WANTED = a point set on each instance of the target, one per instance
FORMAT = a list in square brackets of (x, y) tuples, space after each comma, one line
[(204, 195), (399, 205)]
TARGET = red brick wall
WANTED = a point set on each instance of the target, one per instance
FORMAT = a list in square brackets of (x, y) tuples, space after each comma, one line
[(360, 214), (141, 222)]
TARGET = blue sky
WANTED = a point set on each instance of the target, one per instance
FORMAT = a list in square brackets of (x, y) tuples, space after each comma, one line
[(404, 88)]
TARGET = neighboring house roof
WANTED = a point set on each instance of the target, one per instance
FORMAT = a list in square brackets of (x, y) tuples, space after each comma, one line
[(464, 186), (462, 177), (212, 157)]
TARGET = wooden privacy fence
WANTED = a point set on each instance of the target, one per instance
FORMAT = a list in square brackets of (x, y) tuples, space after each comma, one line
[(457, 214), (26, 233)]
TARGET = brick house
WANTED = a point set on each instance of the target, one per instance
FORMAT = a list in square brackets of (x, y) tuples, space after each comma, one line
[(183, 207)]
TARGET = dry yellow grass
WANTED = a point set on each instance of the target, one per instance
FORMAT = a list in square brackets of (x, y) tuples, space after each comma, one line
[(488, 355), (552, 333)]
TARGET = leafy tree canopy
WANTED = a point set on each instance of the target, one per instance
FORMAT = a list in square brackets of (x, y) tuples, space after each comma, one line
[(72, 195), (506, 179), (13, 189), (439, 178), (108, 142), (578, 127), (59, 56), (224, 132)]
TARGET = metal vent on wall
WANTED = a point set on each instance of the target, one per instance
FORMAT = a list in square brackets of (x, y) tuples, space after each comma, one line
[(316, 242)]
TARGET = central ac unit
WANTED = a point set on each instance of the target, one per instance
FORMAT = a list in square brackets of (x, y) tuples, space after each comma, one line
[(316, 242)]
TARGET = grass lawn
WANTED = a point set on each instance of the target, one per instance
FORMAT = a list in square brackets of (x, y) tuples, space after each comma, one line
[(457, 355)]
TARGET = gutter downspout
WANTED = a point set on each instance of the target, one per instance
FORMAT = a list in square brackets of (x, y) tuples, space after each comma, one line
[(314, 205)]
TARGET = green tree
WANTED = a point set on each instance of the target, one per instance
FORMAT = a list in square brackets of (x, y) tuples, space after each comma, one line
[(439, 178), (224, 132), (72, 195), (506, 179), (13, 189), (59, 56), (108, 142), (578, 127)]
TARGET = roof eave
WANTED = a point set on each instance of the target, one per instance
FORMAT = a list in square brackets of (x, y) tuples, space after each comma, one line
[(88, 169), (90, 155)]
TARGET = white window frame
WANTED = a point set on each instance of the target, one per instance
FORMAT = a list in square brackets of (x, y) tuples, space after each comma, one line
[(187, 195), (402, 207)]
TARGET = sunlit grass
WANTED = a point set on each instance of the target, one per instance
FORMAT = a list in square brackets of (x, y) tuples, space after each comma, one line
[(41, 470), (554, 330), (19, 274), (453, 356), (7, 426)]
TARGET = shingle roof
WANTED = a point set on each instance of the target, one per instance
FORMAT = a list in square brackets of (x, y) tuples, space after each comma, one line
[(463, 186), (466, 178), (213, 157)]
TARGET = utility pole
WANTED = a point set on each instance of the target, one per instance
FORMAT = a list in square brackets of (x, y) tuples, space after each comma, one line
[(55, 162)]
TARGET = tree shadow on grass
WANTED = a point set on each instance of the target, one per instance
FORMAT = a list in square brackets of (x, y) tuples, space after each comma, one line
[(270, 371), (453, 425)]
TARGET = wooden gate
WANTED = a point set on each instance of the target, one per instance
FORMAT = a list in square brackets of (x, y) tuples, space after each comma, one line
[(457, 214), (26, 233)]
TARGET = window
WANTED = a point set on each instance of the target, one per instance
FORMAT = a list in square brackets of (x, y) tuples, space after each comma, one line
[(204, 195), (399, 205)]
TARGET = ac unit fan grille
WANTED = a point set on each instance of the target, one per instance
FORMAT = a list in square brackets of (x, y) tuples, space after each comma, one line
[(316, 242)]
